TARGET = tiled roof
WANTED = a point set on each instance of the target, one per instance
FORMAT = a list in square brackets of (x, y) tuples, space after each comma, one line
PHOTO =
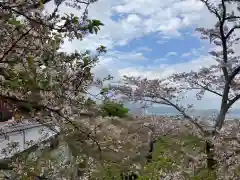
[(13, 126)]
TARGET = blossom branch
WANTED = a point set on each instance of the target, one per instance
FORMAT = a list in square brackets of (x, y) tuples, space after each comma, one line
[(14, 44)]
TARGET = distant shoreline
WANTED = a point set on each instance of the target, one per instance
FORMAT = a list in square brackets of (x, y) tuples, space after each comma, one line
[(179, 116), (135, 108)]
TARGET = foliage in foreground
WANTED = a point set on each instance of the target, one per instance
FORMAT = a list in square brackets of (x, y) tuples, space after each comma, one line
[(180, 158), (37, 80)]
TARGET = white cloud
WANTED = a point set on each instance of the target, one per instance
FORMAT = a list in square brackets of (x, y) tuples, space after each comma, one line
[(171, 54), (166, 70), (195, 52), (171, 28), (127, 56), (158, 60), (115, 60), (140, 18), (133, 19), (144, 49), (186, 54)]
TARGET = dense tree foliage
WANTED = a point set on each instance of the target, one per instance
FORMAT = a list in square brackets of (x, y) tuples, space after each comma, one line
[(111, 108), (34, 74), (37, 79)]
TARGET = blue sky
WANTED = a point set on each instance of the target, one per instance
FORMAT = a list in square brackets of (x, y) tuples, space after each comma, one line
[(149, 38), (169, 51)]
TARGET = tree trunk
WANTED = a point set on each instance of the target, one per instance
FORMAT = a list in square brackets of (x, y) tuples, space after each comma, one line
[(211, 162), (151, 144)]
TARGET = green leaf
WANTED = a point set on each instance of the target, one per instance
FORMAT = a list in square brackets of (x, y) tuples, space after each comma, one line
[(76, 20), (85, 61), (96, 22), (30, 61), (25, 107), (95, 30), (14, 83), (90, 102), (15, 22), (91, 30), (104, 90), (41, 3)]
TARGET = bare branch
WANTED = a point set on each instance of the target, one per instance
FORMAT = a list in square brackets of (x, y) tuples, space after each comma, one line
[(234, 73), (192, 120), (209, 90), (169, 103), (232, 17), (224, 11), (211, 8), (234, 100), (32, 19), (231, 31)]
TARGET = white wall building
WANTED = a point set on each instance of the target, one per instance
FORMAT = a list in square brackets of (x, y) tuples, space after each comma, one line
[(21, 134)]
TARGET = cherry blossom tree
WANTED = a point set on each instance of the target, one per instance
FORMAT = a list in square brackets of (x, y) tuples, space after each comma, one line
[(31, 65), (221, 79), (37, 79)]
